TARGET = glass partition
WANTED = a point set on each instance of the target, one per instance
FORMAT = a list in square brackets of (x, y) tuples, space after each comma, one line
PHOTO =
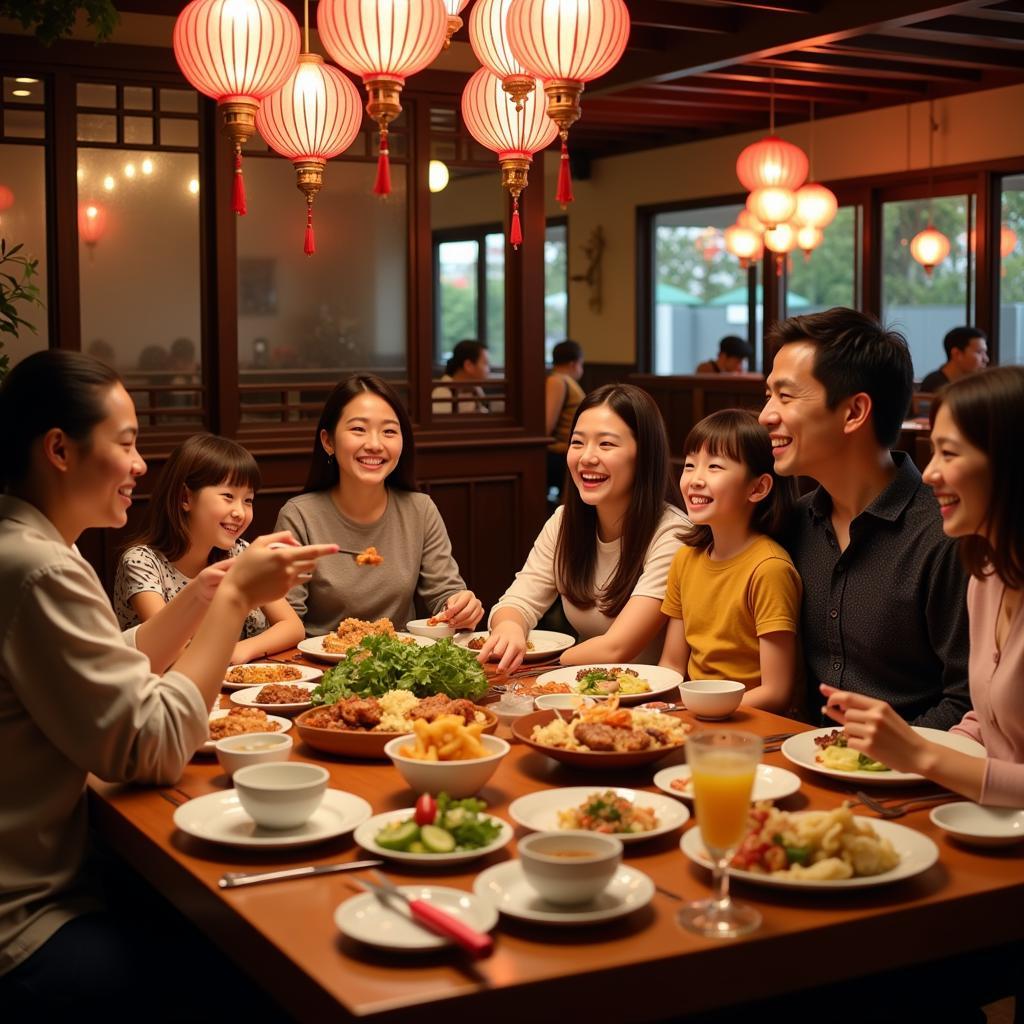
[(1011, 271), (827, 276)]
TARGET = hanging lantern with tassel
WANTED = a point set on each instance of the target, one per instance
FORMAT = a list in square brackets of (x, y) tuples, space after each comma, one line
[(567, 43), (780, 240), (314, 116), (929, 247), (808, 238), (772, 206), (92, 223), (236, 52), (383, 41), (772, 163), (743, 243), (514, 134), (816, 206), (490, 43), (454, 9)]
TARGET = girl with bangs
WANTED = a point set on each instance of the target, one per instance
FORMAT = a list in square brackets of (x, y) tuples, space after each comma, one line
[(733, 596), (607, 549), (193, 526)]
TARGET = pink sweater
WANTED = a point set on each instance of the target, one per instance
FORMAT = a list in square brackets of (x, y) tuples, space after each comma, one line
[(997, 691)]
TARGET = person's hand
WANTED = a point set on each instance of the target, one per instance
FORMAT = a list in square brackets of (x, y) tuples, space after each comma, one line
[(272, 565), (463, 610), (873, 728), (207, 582), (506, 644)]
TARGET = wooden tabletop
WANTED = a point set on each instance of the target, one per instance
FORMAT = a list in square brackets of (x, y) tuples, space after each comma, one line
[(645, 965)]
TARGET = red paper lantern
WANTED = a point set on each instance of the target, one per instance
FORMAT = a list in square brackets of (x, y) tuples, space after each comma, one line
[(92, 223), (314, 116), (1007, 240), (454, 9), (772, 163), (816, 206), (7, 198), (236, 52), (809, 238), (929, 247), (772, 206), (515, 134), (743, 243), (383, 41), (489, 39), (567, 43)]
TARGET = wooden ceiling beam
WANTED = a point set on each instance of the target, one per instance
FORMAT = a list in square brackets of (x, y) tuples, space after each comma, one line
[(814, 81), (865, 67), (724, 99), (949, 54), (663, 14), (764, 34), (1011, 26)]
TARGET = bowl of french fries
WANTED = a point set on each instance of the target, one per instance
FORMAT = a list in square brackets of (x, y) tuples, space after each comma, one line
[(446, 754)]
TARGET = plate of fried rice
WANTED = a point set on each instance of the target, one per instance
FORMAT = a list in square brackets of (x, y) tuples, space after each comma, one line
[(350, 632), (256, 673), (237, 720)]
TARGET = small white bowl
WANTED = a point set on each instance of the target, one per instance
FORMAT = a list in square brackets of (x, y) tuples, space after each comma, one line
[(562, 702), (281, 794), (508, 710), (980, 826), (236, 752), (569, 866), (419, 627), (712, 698), (457, 778)]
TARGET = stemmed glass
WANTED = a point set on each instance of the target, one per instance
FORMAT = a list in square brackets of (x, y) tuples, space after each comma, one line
[(723, 764)]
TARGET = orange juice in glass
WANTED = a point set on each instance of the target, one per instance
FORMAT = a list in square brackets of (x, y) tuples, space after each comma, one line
[(722, 765)]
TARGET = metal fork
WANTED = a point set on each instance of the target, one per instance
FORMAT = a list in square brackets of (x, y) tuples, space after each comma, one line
[(904, 806)]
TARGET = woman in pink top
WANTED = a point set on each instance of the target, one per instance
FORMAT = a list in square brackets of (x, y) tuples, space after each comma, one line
[(977, 474)]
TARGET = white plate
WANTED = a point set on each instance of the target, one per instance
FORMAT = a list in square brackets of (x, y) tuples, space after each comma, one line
[(980, 826), (306, 674), (917, 853), (662, 680), (539, 811), (505, 888), (771, 783), (247, 698), (314, 646), (219, 818), (800, 750), (366, 835), (209, 747), (546, 643), (389, 925)]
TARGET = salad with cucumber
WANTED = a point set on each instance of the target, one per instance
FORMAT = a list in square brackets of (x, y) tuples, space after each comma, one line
[(440, 826)]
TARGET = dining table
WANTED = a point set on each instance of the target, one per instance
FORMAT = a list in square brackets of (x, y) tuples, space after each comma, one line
[(640, 967)]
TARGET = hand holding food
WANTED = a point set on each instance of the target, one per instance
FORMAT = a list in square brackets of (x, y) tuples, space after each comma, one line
[(447, 738), (506, 644), (271, 566), (463, 610), (210, 578)]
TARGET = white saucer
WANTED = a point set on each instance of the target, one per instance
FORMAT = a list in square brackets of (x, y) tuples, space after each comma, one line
[(246, 698), (219, 818), (389, 924), (771, 783), (546, 643), (314, 646), (980, 826), (210, 746), (306, 674), (504, 887)]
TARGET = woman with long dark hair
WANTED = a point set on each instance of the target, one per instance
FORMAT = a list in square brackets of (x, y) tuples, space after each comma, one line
[(361, 492), (977, 474), (607, 549), (77, 695)]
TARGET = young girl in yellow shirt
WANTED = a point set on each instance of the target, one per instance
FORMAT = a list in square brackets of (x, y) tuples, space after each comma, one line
[(733, 595)]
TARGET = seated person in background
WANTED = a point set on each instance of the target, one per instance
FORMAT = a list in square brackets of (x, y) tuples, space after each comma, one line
[(733, 596), (966, 353), (607, 549), (361, 492), (976, 436), (733, 353), (200, 507), (469, 361), (884, 607), (562, 396)]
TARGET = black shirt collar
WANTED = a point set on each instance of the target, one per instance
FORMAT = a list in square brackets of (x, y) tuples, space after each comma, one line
[(889, 505)]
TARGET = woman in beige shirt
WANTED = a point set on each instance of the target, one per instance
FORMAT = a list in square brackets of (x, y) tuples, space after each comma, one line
[(77, 696)]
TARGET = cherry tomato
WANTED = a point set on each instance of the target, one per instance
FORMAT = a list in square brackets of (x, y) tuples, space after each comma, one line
[(426, 810)]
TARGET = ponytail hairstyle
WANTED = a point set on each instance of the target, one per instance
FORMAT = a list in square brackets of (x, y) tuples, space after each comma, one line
[(466, 349), (988, 409), (736, 434), (576, 548), (323, 469), (45, 391), (204, 460)]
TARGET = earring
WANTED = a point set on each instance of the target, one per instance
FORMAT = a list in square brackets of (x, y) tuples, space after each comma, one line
[(330, 458)]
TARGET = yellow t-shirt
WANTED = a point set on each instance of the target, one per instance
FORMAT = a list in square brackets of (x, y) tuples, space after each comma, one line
[(725, 606)]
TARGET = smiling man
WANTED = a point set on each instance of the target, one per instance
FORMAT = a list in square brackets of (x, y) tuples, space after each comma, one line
[(884, 606)]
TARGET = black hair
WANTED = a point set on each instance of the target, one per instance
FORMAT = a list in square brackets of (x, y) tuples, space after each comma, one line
[(855, 354), (960, 338), (47, 390), (323, 469), (465, 349), (734, 346), (567, 351)]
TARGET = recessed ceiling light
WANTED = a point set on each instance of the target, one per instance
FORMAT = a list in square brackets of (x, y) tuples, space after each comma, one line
[(26, 81), (109, 183), (20, 92)]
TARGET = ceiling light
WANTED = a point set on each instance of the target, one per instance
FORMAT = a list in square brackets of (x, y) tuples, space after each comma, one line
[(437, 176), (109, 183)]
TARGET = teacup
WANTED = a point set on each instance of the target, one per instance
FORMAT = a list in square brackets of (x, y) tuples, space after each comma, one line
[(281, 794), (712, 698), (569, 867), (250, 748)]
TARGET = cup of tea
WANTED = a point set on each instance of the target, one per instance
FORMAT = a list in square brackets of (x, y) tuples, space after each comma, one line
[(571, 866)]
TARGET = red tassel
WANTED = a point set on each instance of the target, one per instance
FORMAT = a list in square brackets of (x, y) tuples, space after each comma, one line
[(564, 194), (238, 187), (309, 247), (515, 234), (382, 186)]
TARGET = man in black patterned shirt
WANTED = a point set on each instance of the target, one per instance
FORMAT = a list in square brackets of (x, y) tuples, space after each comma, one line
[(884, 604)]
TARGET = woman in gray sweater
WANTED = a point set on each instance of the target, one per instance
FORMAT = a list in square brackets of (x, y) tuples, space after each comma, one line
[(361, 492)]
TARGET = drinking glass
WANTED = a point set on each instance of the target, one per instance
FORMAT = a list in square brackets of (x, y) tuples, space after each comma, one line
[(722, 764)]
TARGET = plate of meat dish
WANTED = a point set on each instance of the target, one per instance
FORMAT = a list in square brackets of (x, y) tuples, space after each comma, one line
[(235, 721), (284, 698), (632, 684), (240, 677), (604, 736), (334, 646), (541, 644), (363, 726)]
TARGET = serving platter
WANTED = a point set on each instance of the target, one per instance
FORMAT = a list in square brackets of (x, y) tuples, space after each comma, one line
[(314, 646), (662, 681), (546, 643), (306, 674), (366, 835)]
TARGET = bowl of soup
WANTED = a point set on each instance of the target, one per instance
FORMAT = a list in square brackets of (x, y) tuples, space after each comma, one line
[(236, 752), (568, 866)]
